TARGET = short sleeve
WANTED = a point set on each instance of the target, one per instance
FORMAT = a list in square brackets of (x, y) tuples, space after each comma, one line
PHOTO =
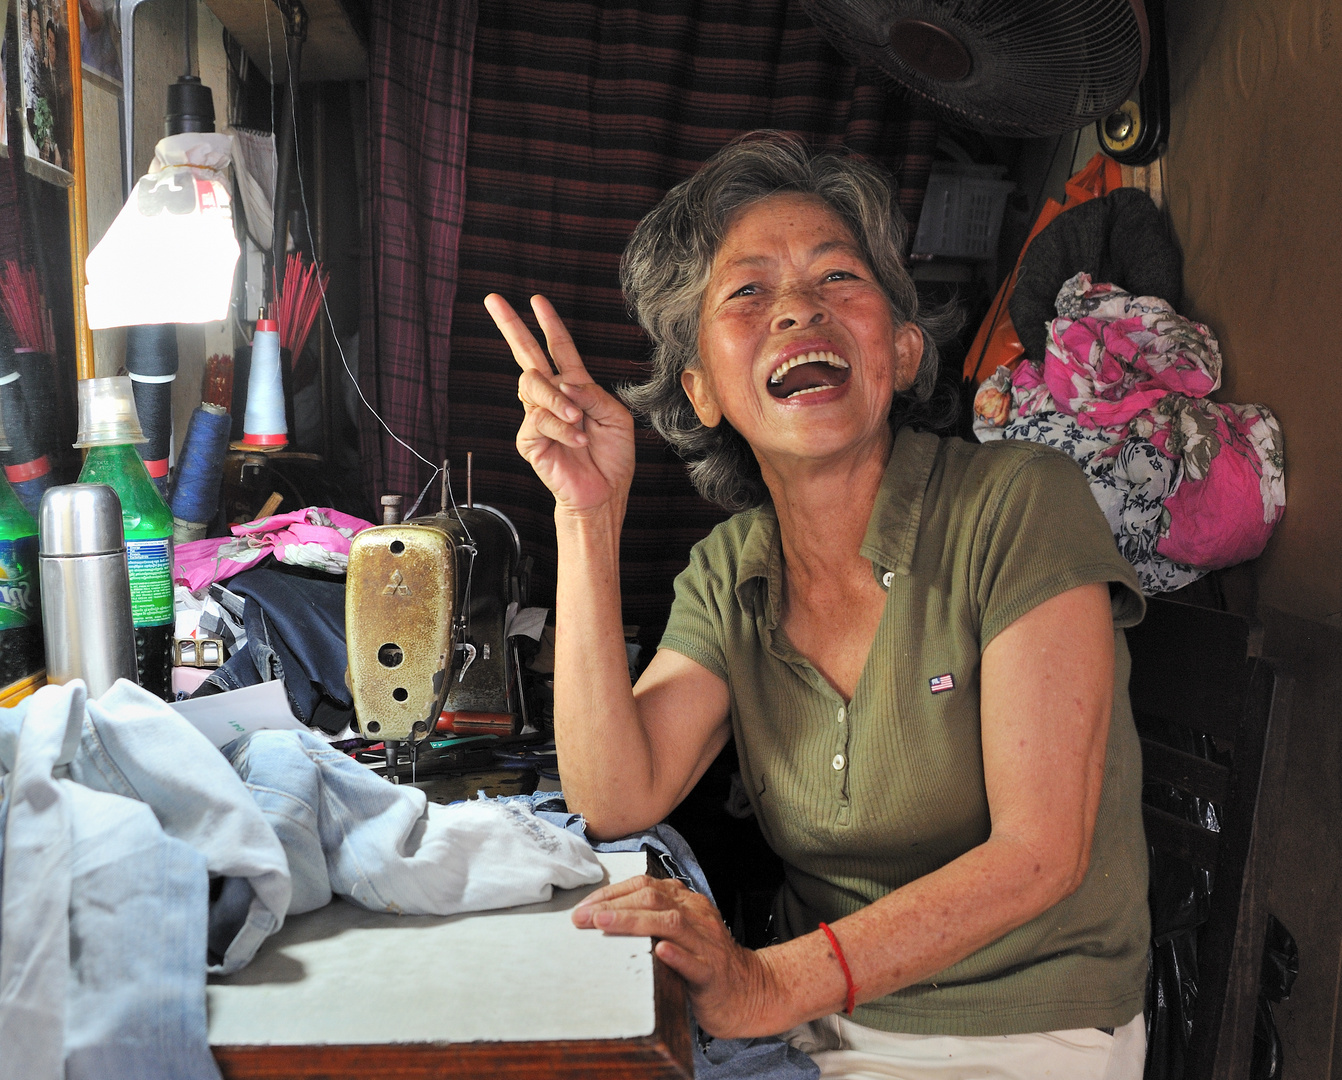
[(1042, 535), (695, 627)]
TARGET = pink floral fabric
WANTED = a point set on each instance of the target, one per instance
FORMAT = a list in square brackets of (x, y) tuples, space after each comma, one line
[(1124, 386), (316, 537)]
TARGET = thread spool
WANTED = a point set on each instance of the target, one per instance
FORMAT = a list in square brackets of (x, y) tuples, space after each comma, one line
[(151, 362), (263, 424), (39, 390), (26, 466), (195, 488)]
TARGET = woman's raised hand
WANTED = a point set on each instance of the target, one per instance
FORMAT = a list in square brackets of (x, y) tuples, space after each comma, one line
[(578, 438)]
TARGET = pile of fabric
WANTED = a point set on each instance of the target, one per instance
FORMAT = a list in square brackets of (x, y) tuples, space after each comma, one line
[(1187, 485), (133, 854), (1120, 381)]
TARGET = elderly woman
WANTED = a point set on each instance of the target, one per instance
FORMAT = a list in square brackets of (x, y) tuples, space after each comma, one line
[(912, 640)]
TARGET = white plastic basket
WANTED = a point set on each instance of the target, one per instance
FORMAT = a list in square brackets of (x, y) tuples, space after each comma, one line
[(962, 216)]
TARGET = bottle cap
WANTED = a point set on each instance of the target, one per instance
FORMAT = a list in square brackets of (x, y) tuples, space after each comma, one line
[(80, 519), (107, 413)]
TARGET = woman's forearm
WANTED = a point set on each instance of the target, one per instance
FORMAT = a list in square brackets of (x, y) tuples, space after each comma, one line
[(605, 757), (916, 931)]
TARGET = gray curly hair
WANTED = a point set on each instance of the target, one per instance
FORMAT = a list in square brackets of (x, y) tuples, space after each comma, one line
[(666, 267)]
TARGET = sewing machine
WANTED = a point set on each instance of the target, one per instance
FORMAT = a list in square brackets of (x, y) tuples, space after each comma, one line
[(426, 608)]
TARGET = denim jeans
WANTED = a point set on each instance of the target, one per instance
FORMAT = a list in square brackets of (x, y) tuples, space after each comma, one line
[(384, 846), (102, 917), (135, 745)]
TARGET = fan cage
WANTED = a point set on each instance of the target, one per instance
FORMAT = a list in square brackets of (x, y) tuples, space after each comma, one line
[(1039, 67)]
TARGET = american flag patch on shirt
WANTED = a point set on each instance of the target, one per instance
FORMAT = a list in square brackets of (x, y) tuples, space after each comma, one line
[(941, 683)]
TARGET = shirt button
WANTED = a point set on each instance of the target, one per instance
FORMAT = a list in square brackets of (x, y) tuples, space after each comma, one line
[(837, 762), (842, 714), (887, 578)]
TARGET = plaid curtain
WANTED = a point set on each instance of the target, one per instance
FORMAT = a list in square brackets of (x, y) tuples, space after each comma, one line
[(582, 114)]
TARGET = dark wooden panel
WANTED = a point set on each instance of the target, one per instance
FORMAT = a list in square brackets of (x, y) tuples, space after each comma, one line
[(1192, 665), (1195, 775), (1185, 841)]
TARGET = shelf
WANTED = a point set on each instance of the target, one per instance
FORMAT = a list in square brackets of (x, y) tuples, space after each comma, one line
[(334, 49)]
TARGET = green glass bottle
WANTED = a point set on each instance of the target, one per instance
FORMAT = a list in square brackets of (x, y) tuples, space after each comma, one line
[(21, 651), (148, 524)]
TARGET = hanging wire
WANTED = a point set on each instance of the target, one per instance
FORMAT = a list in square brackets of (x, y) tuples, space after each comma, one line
[(307, 221)]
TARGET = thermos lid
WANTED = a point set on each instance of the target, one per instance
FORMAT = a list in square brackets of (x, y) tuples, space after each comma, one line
[(80, 519)]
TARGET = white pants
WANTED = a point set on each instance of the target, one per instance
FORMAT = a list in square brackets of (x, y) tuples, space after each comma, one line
[(848, 1051)]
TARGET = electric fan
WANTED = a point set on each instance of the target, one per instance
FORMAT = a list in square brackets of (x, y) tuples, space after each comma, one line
[(1011, 67)]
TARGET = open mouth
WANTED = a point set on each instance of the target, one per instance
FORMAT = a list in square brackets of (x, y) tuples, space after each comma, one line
[(808, 373)]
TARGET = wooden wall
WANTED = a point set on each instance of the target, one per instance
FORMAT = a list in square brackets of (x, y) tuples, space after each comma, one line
[(1253, 182)]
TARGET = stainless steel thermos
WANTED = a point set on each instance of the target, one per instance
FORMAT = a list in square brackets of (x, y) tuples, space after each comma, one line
[(86, 615)]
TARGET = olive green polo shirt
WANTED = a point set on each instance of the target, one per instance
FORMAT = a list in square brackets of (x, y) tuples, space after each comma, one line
[(861, 797)]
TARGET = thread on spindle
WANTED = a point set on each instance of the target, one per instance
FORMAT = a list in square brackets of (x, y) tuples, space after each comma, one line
[(26, 466), (151, 363), (263, 424), (30, 492), (39, 390), (195, 491)]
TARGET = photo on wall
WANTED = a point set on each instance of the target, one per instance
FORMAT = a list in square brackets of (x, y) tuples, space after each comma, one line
[(45, 86), (100, 41)]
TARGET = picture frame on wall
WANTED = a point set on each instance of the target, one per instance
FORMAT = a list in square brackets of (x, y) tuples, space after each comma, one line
[(46, 90), (100, 42), (4, 79)]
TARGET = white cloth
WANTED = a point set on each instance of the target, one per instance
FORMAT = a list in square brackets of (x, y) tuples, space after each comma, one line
[(844, 1050)]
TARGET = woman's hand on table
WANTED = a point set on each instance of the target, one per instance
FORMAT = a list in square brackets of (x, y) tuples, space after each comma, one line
[(733, 990), (578, 438)]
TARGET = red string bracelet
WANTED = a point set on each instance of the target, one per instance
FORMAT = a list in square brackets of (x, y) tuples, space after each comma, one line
[(850, 1002)]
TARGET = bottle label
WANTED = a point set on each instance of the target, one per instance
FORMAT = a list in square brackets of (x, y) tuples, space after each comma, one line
[(19, 602), (150, 563)]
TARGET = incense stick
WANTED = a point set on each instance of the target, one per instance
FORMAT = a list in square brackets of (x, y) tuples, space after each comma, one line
[(297, 302), (21, 297)]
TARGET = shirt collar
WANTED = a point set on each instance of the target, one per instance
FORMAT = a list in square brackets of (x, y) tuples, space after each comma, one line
[(892, 529)]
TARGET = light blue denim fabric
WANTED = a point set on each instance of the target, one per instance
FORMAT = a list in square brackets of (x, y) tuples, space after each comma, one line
[(714, 1059), (135, 745), (384, 846), (102, 918)]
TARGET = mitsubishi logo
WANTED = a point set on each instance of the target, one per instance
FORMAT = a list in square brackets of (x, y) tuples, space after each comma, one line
[(396, 585)]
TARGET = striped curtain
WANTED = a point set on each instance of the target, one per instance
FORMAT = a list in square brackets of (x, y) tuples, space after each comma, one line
[(582, 114)]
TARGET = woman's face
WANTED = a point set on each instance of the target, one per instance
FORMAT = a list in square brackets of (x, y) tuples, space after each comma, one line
[(798, 347)]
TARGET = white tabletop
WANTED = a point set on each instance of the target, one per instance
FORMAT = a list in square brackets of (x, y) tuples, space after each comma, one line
[(342, 975)]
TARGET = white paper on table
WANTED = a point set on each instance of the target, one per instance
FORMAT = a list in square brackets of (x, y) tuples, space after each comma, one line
[(221, 718)]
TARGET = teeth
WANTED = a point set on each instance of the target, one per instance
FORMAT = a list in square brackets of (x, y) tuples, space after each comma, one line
[(832, 359)]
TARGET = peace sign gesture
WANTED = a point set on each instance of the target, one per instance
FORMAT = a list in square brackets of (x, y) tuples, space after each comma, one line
[(578, 438)]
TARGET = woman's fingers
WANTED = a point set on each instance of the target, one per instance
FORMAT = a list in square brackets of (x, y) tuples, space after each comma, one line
[(526, 349), (559, 341), (537, 391), (616, 893)]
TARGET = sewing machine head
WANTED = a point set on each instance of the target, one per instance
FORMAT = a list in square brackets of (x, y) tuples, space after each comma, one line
[(426, 610)]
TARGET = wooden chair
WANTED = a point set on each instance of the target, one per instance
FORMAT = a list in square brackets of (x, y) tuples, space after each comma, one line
[(1192, 670)]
